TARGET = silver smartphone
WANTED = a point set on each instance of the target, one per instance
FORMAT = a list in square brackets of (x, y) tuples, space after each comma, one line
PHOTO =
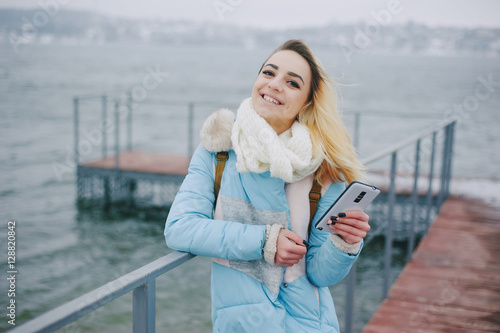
[(357, 196)]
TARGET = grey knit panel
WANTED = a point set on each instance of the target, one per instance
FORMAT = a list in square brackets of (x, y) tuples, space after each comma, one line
[(239, 210)]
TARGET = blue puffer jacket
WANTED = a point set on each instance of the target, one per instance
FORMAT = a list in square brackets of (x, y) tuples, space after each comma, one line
[(249, 295)]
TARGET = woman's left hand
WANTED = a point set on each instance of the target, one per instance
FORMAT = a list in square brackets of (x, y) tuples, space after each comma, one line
[(352, 226)]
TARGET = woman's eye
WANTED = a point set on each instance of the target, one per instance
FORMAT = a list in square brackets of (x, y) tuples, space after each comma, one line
[(269, 73), (294, 84)]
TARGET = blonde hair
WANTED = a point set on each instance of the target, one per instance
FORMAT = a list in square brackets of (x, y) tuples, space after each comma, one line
[(320, 114)]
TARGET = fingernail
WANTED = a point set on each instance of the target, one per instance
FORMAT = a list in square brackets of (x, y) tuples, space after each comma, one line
[(334, 218), (342, 215)]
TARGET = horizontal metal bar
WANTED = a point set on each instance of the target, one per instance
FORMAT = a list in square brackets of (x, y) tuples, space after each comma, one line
[(234, 105), (405, 143), (71, 311), (89, 97), (213, 104), (387, 114)]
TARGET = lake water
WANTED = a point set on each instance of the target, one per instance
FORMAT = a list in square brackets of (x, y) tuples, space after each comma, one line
[(63, 253)]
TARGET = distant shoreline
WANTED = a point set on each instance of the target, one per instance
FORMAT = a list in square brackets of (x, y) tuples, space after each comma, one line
[(35, 26)]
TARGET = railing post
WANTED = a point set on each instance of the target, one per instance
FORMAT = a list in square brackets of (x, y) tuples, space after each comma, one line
[(76, 129), (144, 303), (451, 134), (357, 120), (117, 135), (414, 194), (129, 121), (388, 234), (190, 129), (444, 168), (431, 176), (349, 302), (104, 107)]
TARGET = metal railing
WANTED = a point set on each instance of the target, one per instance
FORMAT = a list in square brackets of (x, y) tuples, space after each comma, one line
[(446, 129), (119, 106), (123, 107), (142, 282)]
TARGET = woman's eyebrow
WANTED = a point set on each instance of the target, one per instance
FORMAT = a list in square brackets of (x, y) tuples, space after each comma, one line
[(296, 75), (289, 73)]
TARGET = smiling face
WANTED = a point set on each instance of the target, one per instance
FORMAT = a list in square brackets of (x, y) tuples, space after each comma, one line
[(282, 89)]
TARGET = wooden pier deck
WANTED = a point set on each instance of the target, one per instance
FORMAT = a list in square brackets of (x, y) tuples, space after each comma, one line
[(146, 162), (452, 283), (140, 180)]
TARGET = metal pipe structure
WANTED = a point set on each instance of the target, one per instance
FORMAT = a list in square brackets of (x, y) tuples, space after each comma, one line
[(431, 177), (190, 129), (388, 230), (117, 135), (129, 121), (76, 129), (349, 299), (357, 124), (104, 110), (143, 280), (414, 203)]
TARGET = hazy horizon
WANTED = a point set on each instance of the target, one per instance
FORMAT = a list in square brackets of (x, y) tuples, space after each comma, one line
[(286, 14)]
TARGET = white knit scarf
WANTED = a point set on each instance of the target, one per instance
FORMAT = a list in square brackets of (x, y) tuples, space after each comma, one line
[(258, 148)]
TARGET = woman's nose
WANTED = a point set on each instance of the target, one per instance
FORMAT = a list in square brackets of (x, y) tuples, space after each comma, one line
[(275, 84)]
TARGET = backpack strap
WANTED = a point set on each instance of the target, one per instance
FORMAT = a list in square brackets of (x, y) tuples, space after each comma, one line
[(314, 198), (222, 157)]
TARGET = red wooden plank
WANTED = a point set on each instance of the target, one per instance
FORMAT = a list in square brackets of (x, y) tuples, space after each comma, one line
[(478, 225), (478, 277), (457, 249), (447, 291), (453, 282), (401, 316)]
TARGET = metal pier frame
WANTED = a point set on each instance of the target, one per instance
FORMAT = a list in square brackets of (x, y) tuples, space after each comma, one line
[(142, 282)]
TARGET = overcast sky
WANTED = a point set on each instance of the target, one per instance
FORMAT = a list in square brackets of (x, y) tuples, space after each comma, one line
[(287, 13)]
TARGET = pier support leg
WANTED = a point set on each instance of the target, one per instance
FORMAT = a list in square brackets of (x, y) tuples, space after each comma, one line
[(131, 187)]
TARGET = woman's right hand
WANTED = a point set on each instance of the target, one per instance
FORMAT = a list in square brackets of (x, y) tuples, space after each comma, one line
[(289, 248)]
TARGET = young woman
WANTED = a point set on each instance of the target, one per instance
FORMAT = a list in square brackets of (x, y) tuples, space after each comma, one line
[(288, 134)]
